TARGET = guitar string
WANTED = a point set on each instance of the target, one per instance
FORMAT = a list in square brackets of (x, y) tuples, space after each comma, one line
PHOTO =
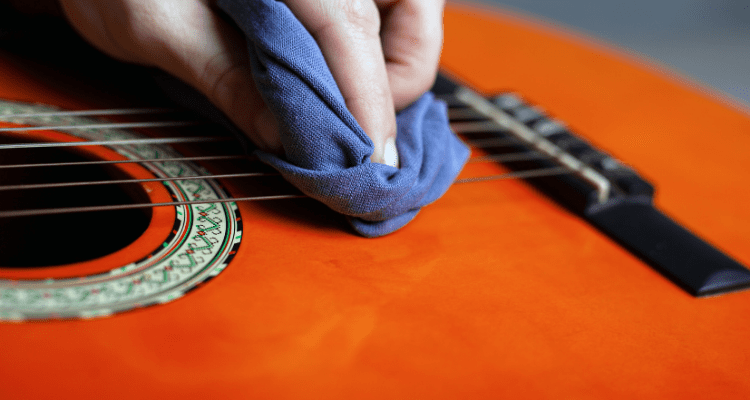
[(465, 128), (462, 128), (111, 162), (114, 207), (463, 113), (475, 126), (57, 185), (172, 140), (113, 125), (452, 112), (493, 142), (89, 113), (495, 157), (457, 111), (510, 157), (531, 173), (479, 143)]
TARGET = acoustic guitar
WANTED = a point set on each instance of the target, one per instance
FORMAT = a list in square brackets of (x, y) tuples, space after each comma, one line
[(230, 284)]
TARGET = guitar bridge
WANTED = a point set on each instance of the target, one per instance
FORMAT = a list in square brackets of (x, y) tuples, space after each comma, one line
[(604, 191)]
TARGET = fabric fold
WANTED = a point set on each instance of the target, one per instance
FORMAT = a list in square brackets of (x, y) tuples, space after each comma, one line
[(326, 151)]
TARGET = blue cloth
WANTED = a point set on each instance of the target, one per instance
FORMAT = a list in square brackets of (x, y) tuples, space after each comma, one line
[(327, 152)]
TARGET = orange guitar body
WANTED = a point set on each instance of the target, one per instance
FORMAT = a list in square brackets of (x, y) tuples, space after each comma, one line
[(493, 292)]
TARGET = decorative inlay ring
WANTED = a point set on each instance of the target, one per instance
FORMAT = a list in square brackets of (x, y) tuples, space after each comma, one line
[(203, 241)]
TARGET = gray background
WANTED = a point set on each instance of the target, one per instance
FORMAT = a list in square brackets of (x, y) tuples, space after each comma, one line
[(707, 40)]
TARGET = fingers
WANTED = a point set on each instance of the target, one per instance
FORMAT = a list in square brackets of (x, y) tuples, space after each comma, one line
[(412, 37), (208, 53), (378, 69), (215, 61), (348, 33), (188, 40)]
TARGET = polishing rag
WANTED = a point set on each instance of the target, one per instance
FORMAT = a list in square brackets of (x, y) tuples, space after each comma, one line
[(327, 154)]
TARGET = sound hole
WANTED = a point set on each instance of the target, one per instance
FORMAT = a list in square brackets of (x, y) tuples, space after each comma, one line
[(50, 240)]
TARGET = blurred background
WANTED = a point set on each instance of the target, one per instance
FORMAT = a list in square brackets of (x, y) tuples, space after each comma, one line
[(706, 40)]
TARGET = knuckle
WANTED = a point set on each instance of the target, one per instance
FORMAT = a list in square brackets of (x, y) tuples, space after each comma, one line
[(361, 14), (223, 81), (409, 85), (325, 17), (155, 27), (135, 31)]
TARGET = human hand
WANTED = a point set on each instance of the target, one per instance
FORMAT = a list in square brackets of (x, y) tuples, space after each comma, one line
[(383, 54)]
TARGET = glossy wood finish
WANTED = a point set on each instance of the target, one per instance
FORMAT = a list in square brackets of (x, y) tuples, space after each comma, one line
[(492, 292)]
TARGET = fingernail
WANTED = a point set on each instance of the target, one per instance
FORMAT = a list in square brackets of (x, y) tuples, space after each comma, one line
[(390, 153)]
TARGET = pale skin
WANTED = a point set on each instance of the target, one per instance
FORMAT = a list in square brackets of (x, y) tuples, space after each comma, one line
[(383, 54)]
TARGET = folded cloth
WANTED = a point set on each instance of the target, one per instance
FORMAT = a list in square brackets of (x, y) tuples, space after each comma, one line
[(327, 154)]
